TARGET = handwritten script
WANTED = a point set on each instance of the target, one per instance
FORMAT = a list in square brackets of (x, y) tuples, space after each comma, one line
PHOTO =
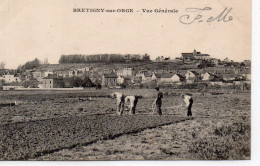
[(197, 15)]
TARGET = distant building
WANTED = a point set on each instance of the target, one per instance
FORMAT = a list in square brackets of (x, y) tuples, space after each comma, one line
[(8, 78), (45, 83), (107, 71), (46, 73), (187, 57), (144, 75), (195, 56), (191, 75), (63, 74), (125, 72), (203, 56), (178, 78), (73, 73), (215, 61), (167, 70), (109, 80), (166, 78), (147, 77), (208, 76), (156, 77), (37, 74), (84, 69), (170, 78)]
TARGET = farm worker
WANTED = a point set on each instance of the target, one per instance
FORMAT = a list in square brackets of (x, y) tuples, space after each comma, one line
[(120, 102), (158, 101), (188, 101), (133, 100)]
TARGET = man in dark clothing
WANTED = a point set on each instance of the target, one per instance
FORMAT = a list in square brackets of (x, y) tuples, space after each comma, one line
[(188, 101), (158, 101), (189, 107)]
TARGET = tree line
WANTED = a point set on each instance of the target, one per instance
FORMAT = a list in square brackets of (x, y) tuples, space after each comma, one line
[(103, 58), (29, 65)]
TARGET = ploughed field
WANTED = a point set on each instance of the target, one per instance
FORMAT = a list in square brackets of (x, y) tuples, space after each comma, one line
[(45, 105), (51, 125), (26, 140)]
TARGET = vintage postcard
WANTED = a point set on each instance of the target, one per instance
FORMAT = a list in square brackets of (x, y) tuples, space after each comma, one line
[(125, 80)]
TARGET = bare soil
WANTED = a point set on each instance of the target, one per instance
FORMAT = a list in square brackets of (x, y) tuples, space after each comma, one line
[(220, 129)]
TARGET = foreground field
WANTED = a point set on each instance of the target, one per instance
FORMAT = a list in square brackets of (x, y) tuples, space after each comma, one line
[(35, 138), (220, 128), (195, 139)]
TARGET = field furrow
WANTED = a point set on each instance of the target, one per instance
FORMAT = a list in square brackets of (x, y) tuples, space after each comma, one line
[(24, 140)]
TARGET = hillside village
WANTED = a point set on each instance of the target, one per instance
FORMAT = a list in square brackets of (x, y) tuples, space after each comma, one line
[(188, 69)]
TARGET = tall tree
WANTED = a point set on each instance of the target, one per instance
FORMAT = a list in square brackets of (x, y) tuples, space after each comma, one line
[(29, 65)]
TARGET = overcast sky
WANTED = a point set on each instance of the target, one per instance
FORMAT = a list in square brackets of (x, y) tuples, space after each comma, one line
[(48, 28)]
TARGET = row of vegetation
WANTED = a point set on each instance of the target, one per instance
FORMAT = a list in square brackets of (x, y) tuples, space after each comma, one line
[(29, 65), (103, 58)]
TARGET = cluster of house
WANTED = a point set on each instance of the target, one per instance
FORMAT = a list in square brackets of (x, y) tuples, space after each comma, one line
[(44, 79), (170, 77), (112, 77), (129, 76), (194, 56), (8, 78)]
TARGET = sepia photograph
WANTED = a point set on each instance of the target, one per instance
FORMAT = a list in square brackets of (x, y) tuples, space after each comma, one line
[(112, 80)]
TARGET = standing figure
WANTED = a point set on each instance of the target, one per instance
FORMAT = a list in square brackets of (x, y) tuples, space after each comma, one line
[(158, 101), (120, 102), (133, 100), (188, 101)]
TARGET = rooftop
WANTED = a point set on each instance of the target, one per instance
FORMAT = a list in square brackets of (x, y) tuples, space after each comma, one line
[(167, 75), (202, 55), (111, 75)]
